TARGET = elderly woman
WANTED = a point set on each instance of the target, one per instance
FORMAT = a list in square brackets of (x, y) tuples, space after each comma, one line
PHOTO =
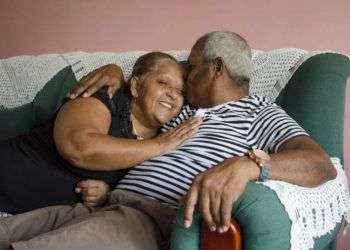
[(95, 138)]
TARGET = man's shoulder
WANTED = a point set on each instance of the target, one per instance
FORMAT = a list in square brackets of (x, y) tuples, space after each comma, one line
[(264, 108), (260, 100), (255, 104)]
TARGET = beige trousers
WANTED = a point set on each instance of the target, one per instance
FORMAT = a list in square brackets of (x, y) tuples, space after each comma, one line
[(128, 222)]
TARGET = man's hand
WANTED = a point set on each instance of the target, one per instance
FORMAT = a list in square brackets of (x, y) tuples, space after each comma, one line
[(110, 76), (94, 192), (216, 189)]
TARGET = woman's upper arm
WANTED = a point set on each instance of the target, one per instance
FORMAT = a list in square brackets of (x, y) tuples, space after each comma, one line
[(75, 120)]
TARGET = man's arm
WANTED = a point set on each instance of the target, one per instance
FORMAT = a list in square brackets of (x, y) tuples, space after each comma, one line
[(299, 160), (110, 76)]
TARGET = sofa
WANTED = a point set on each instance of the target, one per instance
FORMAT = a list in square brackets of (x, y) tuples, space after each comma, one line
[(310, 86)]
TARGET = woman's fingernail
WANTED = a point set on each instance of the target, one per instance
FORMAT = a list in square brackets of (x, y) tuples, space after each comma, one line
[(187, 223), (212, 228)]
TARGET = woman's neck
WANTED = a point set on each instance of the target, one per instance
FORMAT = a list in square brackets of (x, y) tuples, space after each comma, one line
[(141, 128)]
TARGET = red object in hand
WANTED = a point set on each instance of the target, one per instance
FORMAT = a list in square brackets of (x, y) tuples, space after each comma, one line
[(231, 240)]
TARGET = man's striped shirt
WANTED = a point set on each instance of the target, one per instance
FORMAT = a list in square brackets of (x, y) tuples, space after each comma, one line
[(230, 129)]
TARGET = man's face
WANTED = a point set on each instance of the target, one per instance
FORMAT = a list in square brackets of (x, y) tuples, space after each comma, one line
[(199, 80)]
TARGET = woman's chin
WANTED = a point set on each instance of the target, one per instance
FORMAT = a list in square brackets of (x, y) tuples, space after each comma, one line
[(162, 119)]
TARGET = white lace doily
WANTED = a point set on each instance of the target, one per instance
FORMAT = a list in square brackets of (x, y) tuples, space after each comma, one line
[(83, 63), (4, 215), (22, 77), (314, 212)]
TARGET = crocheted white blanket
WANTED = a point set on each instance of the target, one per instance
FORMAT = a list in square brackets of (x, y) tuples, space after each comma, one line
[(313, 212), (22, 77)]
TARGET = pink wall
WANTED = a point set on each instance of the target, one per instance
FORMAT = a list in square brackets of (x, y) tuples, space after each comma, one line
[(43, 26), (49, 26)]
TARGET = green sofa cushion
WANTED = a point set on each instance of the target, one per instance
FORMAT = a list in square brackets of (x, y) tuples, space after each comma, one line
[(315, 98), (21, 119)]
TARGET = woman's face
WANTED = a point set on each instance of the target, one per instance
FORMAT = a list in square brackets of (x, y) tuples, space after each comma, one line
[(160, 94)]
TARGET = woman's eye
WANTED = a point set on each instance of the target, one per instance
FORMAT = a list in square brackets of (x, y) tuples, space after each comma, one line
[(162, 82), (180, 91)]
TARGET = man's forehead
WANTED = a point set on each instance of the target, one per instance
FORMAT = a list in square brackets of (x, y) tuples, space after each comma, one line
[(195, 55)]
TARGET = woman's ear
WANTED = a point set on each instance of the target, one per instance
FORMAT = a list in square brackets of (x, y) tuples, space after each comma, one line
[(134, 86)]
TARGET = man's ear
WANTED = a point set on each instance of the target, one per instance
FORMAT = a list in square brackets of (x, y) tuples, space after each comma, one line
[(134, 86), (219, 66)]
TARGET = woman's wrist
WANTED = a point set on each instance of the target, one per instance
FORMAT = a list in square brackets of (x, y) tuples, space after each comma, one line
[(159, 145)]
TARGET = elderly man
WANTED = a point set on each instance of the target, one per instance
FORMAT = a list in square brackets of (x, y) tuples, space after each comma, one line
[(242, 138)]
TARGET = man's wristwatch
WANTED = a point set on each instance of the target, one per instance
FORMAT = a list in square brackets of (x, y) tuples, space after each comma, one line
[(262, 159)]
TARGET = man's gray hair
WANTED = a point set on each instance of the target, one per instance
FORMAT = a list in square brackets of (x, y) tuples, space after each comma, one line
[(234, 51)]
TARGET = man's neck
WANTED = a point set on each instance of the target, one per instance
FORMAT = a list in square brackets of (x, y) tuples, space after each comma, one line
[(227, 92)]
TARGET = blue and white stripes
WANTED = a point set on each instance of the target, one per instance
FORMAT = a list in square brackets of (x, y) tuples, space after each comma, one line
[(227, 130)]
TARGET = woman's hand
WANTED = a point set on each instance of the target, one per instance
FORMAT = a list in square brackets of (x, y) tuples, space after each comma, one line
[(94, 192), (174, 137), (110, 76)]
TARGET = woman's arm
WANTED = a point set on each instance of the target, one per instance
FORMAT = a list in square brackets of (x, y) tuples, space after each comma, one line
[(81, 137)]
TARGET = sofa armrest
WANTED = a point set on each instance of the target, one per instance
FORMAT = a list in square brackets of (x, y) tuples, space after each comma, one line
[(315, 98), (231, 240), (264, 222)]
